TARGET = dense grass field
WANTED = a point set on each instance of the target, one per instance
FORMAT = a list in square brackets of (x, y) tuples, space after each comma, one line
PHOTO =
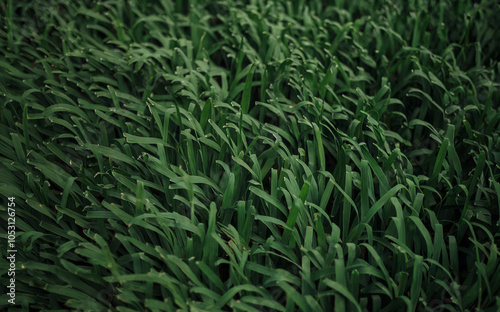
[(216, 155)]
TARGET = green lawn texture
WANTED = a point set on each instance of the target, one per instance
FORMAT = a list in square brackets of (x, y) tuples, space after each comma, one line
[(252, 155)]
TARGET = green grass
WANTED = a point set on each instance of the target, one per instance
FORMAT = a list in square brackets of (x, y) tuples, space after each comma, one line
[(252, 155)]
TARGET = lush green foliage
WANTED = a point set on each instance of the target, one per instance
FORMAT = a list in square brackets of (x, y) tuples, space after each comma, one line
[(248, 156)]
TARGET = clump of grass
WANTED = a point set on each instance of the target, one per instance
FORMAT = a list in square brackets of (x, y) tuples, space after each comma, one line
[(252, 155)]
